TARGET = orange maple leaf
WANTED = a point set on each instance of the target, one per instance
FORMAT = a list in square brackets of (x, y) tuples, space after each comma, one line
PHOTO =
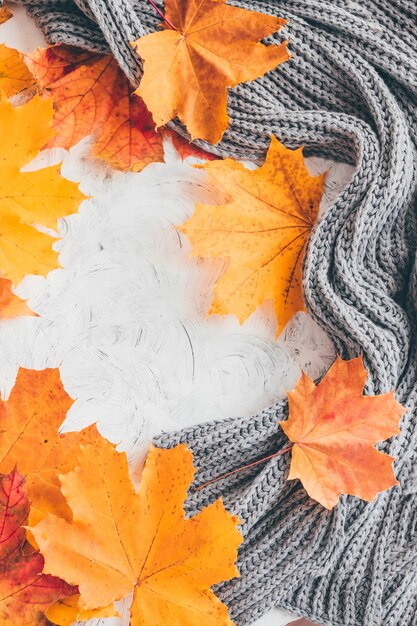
[(29, 424), (5, 14), (334, 427), (11, 305), (25, 593), (121, 539), (186, 148), (92, 95), (14, 74), (187, 71), (262, 227)]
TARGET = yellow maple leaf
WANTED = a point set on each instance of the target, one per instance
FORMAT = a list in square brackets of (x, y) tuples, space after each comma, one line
[(66, 611), (29, 198), (209, 47), (262, 228), (121, 540), (14, 73)]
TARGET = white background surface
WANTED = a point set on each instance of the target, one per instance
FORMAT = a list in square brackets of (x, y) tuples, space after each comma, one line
[(125, 317)]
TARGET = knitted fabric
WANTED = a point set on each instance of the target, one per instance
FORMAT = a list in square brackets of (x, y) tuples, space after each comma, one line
[(349, 92)]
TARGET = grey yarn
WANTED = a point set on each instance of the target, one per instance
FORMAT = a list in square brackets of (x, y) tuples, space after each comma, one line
[(349, 93)]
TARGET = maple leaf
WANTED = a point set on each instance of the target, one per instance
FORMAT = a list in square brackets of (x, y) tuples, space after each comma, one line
[(28, 198), (262, 228), (187, 71), (25, 593), (66, 611), (334, 427), (5, 14), (186, 148), (14, 74), (121, 540), (92, 95), (29, 423), (10, 304)]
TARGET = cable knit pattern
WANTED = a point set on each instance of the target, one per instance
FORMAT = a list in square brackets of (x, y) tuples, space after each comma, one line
[(349, 93)]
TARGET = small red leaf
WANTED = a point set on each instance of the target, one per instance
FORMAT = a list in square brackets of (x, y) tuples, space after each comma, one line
[(25, 593)]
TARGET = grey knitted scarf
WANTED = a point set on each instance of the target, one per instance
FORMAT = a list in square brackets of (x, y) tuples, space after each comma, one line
[(349, 93)]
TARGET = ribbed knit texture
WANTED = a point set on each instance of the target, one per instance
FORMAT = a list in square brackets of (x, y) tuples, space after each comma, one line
[(349, 92)]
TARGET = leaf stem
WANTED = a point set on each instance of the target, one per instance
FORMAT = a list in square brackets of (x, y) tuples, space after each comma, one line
[(170, 24), (239, 469)]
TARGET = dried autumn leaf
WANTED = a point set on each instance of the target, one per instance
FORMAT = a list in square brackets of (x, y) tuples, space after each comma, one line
[(262, 229), (25, 593), (334, 428), (28, 198), (92, 95), (14, 74), (66, 611), (29, 423), (186, 149), (121, 540), (187, 71), (5, 14), (11, 305)]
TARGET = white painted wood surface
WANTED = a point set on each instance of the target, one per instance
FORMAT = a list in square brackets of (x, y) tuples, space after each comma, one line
[(125, 319)]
